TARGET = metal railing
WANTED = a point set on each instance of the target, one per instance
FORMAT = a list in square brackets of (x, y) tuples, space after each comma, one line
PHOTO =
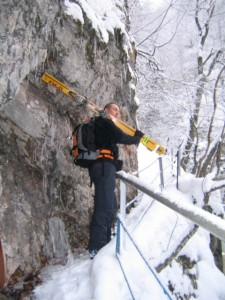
[(204, 219), (120, 241), (120, 223), (200, 217), (169, 170)]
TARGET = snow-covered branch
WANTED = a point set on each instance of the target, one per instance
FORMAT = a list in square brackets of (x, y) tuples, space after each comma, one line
[(217, 185)]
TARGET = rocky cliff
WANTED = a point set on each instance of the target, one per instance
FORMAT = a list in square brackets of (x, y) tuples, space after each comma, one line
[(46, 201)]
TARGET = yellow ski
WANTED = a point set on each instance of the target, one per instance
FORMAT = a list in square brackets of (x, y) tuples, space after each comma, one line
[(146, 141)]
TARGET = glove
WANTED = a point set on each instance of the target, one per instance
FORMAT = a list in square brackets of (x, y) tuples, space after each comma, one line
[(139, 134)]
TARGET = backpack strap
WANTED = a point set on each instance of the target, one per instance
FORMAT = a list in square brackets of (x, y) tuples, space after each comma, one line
[(90, 137), (105, 153)]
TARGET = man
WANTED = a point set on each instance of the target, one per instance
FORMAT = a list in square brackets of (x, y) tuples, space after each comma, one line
[(103, 174)]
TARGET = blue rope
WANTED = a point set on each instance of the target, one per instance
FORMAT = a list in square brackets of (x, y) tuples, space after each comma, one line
[(145, 260), (134, 200), (121, 266)]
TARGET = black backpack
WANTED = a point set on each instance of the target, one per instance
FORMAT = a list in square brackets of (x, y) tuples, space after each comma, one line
[(83, 150)]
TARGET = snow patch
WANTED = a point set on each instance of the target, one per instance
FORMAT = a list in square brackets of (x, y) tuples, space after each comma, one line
[(74, 10)]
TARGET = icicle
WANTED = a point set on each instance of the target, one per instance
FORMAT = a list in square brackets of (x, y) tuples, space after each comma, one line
[(58, 238)]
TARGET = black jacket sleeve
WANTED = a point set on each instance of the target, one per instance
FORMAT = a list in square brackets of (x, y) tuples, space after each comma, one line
[(129, 140), (118, 136)]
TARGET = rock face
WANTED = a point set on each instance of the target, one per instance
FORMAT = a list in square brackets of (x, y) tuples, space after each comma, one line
[(46, 201)]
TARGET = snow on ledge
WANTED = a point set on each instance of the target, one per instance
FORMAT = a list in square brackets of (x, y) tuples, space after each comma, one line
[(105, 16), (74, 10)]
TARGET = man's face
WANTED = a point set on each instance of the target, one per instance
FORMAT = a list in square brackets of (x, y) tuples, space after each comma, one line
[(113, 111)]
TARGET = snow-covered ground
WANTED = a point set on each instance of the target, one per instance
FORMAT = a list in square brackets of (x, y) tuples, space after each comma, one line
[(157, 231)]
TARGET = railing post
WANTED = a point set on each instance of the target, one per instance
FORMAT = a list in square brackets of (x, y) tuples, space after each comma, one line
[(122, 210), (118, 236), (171, 158), (161, 173), (178, 167)]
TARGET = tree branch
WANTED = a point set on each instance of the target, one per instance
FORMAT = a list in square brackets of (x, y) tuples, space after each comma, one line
[(168, 260), (215, 60), (160, 24), (217, 186)]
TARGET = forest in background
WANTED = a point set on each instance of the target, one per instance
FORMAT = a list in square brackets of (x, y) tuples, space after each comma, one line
[(181, 69)]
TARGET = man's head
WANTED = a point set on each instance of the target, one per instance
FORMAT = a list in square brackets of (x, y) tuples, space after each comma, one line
[(112, 109)]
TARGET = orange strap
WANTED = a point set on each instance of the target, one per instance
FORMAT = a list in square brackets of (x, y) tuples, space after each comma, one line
[(105, 153)]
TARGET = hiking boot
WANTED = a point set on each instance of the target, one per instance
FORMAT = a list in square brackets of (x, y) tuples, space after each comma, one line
[(93, 253)]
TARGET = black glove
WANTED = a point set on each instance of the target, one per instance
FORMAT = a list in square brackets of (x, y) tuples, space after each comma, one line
[(139, 134)]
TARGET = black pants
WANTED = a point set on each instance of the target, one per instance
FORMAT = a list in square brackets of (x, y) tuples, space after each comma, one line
[(103, 175)]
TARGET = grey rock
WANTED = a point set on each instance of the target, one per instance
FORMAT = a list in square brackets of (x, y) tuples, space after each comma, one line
[(46, 202)]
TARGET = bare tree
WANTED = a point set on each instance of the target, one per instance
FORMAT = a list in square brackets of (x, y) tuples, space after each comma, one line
[(210, 76), (193, 91)]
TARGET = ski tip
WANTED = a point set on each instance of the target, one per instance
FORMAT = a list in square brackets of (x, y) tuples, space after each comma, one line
[(160, 150)]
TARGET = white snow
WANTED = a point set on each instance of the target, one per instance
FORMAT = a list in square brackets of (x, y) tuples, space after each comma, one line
[(157, 231), (74, 10), (104, 15)]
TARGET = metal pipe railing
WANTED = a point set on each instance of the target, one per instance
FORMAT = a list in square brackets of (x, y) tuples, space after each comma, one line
[(204, 219)]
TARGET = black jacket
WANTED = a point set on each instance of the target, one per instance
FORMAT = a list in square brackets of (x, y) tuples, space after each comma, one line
[(107, 135)]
